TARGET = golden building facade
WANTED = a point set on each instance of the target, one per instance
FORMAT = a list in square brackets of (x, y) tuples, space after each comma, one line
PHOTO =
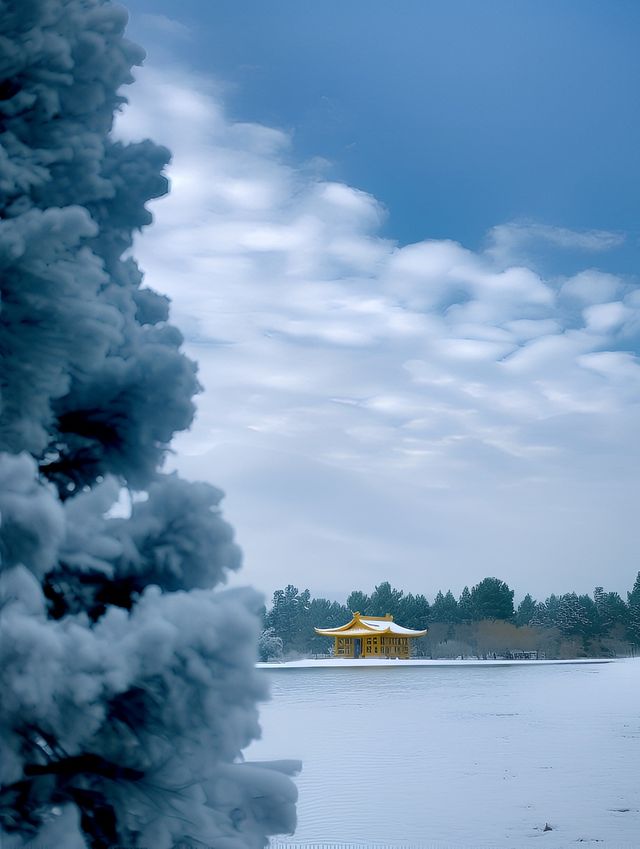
[(371, 637)]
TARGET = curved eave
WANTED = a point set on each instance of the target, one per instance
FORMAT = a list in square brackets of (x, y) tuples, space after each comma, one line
[(368, 632), (355, 622)]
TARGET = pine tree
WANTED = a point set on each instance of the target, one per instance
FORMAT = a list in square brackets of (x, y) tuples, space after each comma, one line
[(289, 617), (359, 602), (546, 612), (414, 611), (526, 613), (465, 606), (634, 596), (385, 599), (578, 616), (323, 614), (127, 675), (633, 613), (611, 609), (492, 599), (445, 608)]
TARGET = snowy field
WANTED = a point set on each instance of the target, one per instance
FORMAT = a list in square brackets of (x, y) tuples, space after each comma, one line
[(460, 755), (341, 663)]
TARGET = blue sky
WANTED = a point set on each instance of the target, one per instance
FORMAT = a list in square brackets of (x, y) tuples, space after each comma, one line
[(402, 243), (455, 115)]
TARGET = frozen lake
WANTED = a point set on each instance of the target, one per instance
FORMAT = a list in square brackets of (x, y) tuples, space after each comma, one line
[(469, 757)]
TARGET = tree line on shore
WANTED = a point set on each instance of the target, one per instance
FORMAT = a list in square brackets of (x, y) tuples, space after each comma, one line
[(480, 621)]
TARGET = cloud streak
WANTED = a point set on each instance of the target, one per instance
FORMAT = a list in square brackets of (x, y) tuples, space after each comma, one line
[(517, 238)]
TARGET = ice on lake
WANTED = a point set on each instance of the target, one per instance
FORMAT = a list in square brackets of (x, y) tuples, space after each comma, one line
[(461, 756)]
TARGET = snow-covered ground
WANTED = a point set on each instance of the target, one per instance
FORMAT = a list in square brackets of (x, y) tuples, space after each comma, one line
[(462, 755), (338, 662)]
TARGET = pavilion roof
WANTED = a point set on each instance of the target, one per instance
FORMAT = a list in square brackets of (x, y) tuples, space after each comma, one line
[(367, 626)]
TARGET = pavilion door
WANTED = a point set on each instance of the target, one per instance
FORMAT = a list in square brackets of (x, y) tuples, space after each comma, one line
[(357, 647)]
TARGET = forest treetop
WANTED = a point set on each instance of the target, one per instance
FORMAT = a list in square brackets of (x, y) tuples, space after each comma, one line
[(293, 614)]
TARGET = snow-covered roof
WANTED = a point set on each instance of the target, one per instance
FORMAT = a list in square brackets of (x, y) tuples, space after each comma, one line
[(366, 626)]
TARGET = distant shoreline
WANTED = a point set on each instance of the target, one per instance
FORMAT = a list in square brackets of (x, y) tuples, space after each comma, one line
[(337, 663)]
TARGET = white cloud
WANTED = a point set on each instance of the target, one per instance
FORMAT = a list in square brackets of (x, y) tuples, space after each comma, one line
[(605, 318), (333, 359), (515, 240), (592, 287), (615, 365)]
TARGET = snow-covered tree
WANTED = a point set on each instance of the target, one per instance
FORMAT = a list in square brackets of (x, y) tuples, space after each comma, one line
[(269, 645), (611, 609), (546, 612), (289, 617), (577, 616), (128, 682), (633, 613)]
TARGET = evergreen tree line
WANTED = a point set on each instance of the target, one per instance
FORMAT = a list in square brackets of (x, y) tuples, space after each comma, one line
[(481, 620)]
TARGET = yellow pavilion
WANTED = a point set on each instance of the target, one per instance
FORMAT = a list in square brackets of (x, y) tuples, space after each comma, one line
[(371, 636)]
